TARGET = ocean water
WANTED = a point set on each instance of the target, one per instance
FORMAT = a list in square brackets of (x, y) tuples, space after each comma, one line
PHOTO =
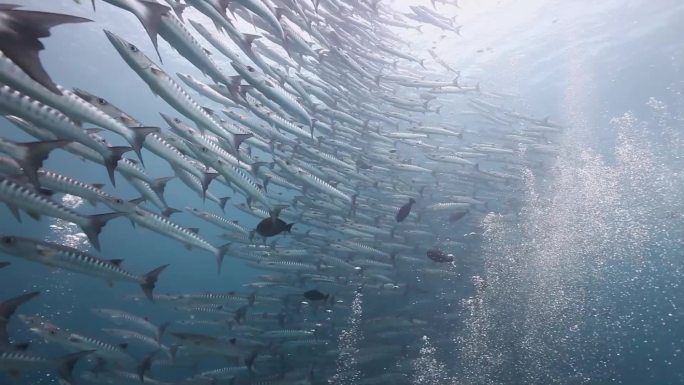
[(572, 274)]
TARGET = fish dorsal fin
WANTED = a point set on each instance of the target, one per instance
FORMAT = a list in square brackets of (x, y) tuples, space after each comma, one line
[(21, 346), (169, 211), (33, 215), (116, 262)]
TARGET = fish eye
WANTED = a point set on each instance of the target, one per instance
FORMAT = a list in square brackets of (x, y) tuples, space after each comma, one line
[(133, 48), (204, 149), (52, 332), (101, 101), (119, 201), (8, 240), (176, 120), (250, 69)]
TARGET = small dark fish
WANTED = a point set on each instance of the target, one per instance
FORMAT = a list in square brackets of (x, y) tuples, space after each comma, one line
[(273, 225), (405, 210), (315, 295), (456, 216), (4, 264), (440, 256)]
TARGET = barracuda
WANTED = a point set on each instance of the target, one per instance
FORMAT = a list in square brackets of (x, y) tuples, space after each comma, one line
[(365, 249), (274, 136), (54, 255), (162, 85), (243, 41), (14, 363), (242, 349), (164, 226), (218, 221), (278, 95), (314, 182), (158, 20), (129, 335), (233, 174), (448, 206), (14, 103), (259, 8), (283, 266), (450, 159), (58, 182), (196, 138), (256, 98), (155, 142), (206, 91), (17, 196), (287, 334), (126, 167), (120, 317), (279, 123)]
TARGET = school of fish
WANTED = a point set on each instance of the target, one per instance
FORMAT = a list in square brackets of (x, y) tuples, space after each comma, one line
[(366, 164)]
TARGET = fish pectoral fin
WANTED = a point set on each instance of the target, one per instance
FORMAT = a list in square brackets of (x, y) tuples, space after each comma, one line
[(44, 251), (15, 211), (33, 215)]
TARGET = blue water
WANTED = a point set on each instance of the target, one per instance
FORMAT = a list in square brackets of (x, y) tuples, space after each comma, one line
[(579, 281)]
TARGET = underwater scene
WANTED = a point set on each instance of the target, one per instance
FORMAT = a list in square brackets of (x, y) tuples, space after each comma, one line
[(343, 192)]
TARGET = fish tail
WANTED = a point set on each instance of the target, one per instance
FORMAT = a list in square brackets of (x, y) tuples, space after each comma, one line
[(150, 281), (222, 203), (220, 255), (161, 329), (35, 154), (68, 362), (237, 141), (137, 138), (145, 365), (207, 177), (94, 226), (159, 185), (249, 361), (7, 309), (112, 159)]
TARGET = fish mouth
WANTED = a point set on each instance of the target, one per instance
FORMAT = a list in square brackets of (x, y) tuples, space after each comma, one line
[(122, 45), (168, 119), (114, 38)]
